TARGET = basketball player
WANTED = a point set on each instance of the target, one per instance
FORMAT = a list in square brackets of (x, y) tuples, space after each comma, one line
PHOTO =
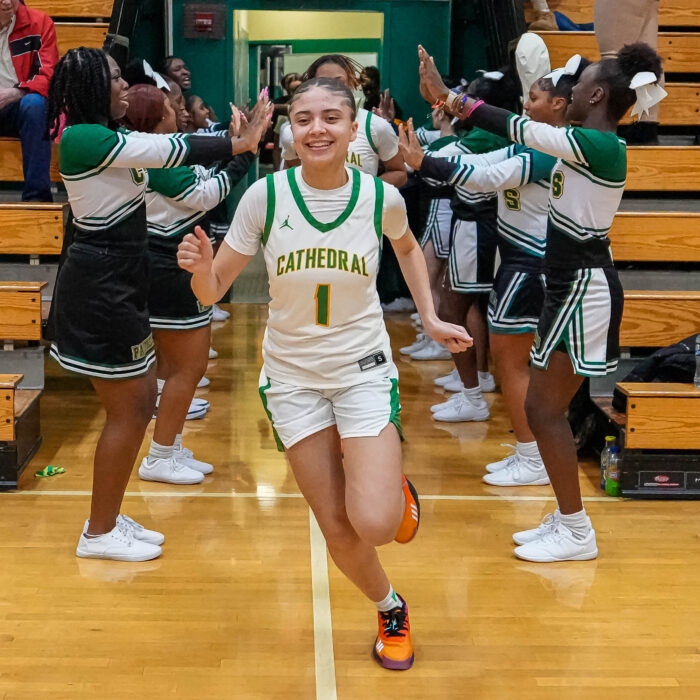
[(327, 367)]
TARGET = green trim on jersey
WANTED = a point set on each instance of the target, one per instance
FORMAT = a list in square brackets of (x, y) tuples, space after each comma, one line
[(378, 207), (171, 182), (368, 131), (270, 213), (441, 143), (87, 149), (323, 228), (263, 398), (604, 152)]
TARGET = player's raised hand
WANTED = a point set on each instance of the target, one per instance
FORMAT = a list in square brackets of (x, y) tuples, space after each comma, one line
[(454, 338), (409, 147), (195, 254)]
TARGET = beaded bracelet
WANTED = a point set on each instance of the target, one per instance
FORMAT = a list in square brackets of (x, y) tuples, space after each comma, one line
[(453, 102)]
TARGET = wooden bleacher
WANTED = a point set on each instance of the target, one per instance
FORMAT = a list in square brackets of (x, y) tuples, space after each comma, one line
[(20, 437), (672, 13), (680, 50), (33, 229)]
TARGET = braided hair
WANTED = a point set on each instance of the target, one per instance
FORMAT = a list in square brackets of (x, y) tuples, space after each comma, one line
[(81, 89)]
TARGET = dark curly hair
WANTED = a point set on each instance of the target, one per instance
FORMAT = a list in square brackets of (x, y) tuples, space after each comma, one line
[(504, 93), (80, 88), (616, 73)]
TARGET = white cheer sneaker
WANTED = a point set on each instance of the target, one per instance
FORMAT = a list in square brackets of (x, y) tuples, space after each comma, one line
[(436, 408), (140, 532), (454, 385), (463, 409), (487, 384), (185, 456), (549, 522), (203, 382), (559, 544), (522, 471), (432, 350), (169, 471), (421, 340), (219, 314), (119, 544), (441, 381)]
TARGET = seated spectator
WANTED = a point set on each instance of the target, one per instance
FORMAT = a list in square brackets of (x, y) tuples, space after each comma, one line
[(28, 54), (175, 68)]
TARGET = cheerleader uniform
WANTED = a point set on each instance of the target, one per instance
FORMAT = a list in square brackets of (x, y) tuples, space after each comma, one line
[(177, 200), (521, 177), (583, 300), (99, 308)]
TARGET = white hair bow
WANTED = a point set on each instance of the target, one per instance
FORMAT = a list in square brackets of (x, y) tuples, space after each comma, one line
[(491, 75), (160, 81), (649, 92), (571, 67)]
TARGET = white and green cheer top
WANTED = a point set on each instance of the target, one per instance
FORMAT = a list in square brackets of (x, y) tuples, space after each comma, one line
[(322, 250), (104, 170), (375, 142)]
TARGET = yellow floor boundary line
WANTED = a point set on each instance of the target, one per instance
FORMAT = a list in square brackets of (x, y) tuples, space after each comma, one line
[(268, 497), (323, 624)]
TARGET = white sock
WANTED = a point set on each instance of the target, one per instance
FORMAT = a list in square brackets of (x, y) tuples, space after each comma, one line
[(177, 445), (161, 384), (160, 451), (578, 523), (540, 5), (528, 449), (474, 395), (390, 602), (485, 376)]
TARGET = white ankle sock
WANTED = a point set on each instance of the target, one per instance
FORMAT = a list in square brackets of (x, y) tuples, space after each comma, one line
[(161, 384), (390, 602), (474, 395), (578, 523), (160, 451), (528, 449), (178, 442), (484, 376), (540, 5)]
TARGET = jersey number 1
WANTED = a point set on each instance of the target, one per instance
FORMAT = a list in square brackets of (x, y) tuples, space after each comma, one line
[(323, 304)]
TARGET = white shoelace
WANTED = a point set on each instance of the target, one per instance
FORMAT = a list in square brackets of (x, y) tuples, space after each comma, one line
[(130, 522), (549, 524), (126, 531)]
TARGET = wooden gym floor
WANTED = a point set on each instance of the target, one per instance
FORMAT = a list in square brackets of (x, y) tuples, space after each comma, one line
[(243, 603)]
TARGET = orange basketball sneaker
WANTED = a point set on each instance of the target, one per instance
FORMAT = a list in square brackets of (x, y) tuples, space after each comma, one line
[(393, 648), (411, 514)]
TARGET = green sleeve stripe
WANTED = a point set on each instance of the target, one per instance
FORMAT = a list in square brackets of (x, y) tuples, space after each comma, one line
[(368, 129), (378, 207), (270, 215)]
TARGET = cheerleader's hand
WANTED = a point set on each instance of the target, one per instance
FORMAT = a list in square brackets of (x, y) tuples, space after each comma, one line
[(432, 86), (195, 254), (409, 147), (454, 338), (254, 126)]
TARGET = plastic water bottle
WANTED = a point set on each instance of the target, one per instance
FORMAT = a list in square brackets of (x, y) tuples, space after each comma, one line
[(612, 477), (605, 459), (697, 360)]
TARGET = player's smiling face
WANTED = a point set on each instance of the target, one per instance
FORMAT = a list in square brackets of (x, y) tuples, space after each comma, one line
[(322, 126)]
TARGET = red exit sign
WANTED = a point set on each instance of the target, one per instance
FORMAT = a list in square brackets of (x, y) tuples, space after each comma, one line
[(203, 21)]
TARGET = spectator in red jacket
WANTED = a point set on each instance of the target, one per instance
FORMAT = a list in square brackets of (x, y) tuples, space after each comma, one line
[(28, 54)]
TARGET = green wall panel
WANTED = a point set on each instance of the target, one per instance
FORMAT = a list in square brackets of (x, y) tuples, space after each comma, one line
[(406, 23)]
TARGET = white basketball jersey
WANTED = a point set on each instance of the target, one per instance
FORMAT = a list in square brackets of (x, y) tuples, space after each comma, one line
[(325, 327)]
